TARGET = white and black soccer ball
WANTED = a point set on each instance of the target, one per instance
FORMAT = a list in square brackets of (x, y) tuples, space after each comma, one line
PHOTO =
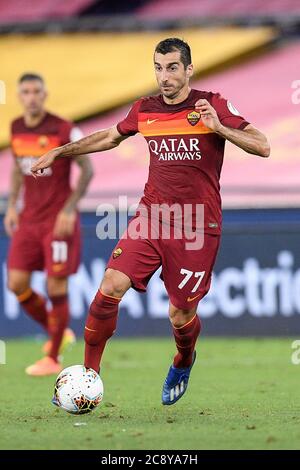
[(78, 390)]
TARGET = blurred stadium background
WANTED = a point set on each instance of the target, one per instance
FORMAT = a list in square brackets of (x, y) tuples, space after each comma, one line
[(96, 57)]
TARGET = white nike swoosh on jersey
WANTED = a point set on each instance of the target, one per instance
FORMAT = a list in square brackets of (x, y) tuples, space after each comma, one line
[(150, 121)]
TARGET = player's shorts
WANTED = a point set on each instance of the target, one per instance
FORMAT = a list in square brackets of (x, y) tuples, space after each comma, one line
[(186, 273), (34, 248)]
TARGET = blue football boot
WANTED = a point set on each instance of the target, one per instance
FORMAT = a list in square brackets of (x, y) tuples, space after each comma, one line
[(176, 383)]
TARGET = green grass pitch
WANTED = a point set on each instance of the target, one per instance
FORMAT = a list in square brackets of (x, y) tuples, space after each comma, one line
[(243, 394)]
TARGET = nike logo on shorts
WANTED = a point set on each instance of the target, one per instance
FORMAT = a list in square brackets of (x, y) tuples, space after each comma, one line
[(190, 299), (58, 267), (150, 121)]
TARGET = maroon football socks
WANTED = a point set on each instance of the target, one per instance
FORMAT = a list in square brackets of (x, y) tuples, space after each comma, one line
[(100, 326), (58, 321), (185, 339), (35, 306)]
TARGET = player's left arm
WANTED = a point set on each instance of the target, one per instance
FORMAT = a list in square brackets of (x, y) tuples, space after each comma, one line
[(249, 139), (86, 174)]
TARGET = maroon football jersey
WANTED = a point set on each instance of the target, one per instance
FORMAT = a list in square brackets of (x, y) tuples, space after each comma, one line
[(185, 156), (44, 196)]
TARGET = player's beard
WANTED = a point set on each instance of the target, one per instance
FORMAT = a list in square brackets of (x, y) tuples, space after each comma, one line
[(168, 93), (171, 92), (35, 112)]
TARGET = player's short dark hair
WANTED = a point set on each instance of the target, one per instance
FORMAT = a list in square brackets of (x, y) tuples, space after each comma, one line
[(175, 44), (29, 76)]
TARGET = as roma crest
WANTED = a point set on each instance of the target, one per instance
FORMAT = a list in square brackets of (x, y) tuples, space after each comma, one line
[(117, 252), (193, 117), (43, 141)]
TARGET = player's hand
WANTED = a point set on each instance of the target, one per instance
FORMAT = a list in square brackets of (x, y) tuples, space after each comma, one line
[(64, 224), (11, 221), (208, 114), (44, 162)]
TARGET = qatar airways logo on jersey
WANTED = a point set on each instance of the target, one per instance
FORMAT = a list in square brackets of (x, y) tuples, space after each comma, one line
[(175, 149)]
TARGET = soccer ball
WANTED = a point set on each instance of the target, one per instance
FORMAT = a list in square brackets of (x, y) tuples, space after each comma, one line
[(78, 390)]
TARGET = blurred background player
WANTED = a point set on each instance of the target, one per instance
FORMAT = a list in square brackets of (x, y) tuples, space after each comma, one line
[(45, 235)]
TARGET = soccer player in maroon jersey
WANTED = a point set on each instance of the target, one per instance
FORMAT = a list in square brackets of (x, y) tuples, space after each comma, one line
[(46, 234), (186, 130)]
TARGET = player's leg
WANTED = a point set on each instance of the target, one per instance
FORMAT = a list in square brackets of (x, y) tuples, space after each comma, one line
[(58, 320), (59, 316), (131, 264), (33, 303), (61, 337), (103, 314), (25, 255), (61, 259), (186, 329), (187, 276)]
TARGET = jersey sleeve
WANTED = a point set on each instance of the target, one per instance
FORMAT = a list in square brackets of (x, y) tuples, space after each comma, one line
[(229, 116), (129, 125)]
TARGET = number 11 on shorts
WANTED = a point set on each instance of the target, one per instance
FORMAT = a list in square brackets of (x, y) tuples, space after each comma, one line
[(59, 251)]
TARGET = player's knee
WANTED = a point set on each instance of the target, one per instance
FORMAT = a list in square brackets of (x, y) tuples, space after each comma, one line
[(17, 286), (179, 317), (115, 283), (57, 286)]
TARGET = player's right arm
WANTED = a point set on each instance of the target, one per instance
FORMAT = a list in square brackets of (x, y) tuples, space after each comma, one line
[(97, 142), (11, 218)]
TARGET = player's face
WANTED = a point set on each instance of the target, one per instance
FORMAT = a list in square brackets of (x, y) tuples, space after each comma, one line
[(32, 95), (170, 73)]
